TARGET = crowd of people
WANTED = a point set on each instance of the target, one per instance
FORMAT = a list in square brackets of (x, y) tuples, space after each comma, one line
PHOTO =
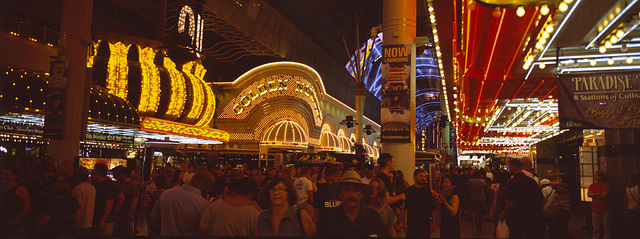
[(297, 201)]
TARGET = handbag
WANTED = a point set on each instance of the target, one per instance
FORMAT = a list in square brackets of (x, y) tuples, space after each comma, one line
[(502, 230)]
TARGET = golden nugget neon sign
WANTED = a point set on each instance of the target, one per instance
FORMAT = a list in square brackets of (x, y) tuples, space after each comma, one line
[(279, 85)]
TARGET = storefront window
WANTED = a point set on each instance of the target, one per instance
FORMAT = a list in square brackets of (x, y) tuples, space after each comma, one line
[(589, 162)]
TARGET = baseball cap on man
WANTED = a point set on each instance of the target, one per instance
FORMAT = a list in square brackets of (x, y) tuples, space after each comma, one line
[(350, 177)]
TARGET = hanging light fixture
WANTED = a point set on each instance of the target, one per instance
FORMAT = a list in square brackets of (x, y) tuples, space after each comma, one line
[(520, 11)]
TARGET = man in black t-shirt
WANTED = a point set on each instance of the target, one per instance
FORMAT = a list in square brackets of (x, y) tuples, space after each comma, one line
[(352, 219), (322, 198), (131, 192), (524, 204), (420, 207), (387, 165), (106, 191)]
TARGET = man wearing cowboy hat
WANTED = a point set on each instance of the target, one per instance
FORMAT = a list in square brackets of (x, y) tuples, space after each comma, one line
[(351, 219)]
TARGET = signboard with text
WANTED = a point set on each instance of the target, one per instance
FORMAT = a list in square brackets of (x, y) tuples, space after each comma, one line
[(396, 76), (604, 100), (56, 91)]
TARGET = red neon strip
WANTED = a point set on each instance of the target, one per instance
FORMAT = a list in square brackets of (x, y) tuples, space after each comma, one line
[(495, 42), (534, 91)]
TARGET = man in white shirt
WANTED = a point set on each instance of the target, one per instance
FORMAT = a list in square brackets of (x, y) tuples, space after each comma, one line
[(85, 193), (527, 167), (178, 210), (304, 189)]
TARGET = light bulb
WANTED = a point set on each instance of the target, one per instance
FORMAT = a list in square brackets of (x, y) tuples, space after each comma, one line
[(568, 1), (525, 67), (629, 59), (545, 35), (538, 45), (620, 33), (607, 44), (542, 40), (520, 12), (610, 61), (602, 49), (592, 62), (542, 65), (563, 7), (614, 39), (544, 10), (497, 12), (549, 29)]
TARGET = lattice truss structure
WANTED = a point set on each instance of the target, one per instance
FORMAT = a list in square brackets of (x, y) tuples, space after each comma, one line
[(239, 44)]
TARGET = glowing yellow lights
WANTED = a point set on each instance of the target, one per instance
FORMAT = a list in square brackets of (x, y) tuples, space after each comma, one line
[(563, 7), (607, 44), (206, 99), (178, 90), (198, 98), (520, 11), (602, 49), (592, 62), (165, 126), (118, 69), (542, 65), (629, 59), (568, 1), (614, 39), (93, 52), (544, 10), (620, 33), (543, 41), (610, 61), (150, 85), (184, 12), (549, 29)]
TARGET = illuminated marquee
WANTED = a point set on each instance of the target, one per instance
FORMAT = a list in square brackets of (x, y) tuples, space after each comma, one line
[(161, 126), (271, 87)]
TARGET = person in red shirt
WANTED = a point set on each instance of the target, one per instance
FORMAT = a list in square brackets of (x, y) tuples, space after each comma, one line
[(601, 206)]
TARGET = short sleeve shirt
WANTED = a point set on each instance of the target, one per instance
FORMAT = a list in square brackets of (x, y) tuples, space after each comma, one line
[(105, 190), (303, 186), (222, 219), (420, 205), (334, 223), (599, 204), (322, 199)]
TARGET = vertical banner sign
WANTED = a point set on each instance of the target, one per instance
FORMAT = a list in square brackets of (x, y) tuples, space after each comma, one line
[(56, 92), (604, 100), (396, 76)]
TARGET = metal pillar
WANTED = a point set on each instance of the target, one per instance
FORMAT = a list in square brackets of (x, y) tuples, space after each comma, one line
[(399, 28), (75, 36)]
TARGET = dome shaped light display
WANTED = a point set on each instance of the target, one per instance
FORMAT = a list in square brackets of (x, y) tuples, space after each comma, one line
[(285, 134)]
